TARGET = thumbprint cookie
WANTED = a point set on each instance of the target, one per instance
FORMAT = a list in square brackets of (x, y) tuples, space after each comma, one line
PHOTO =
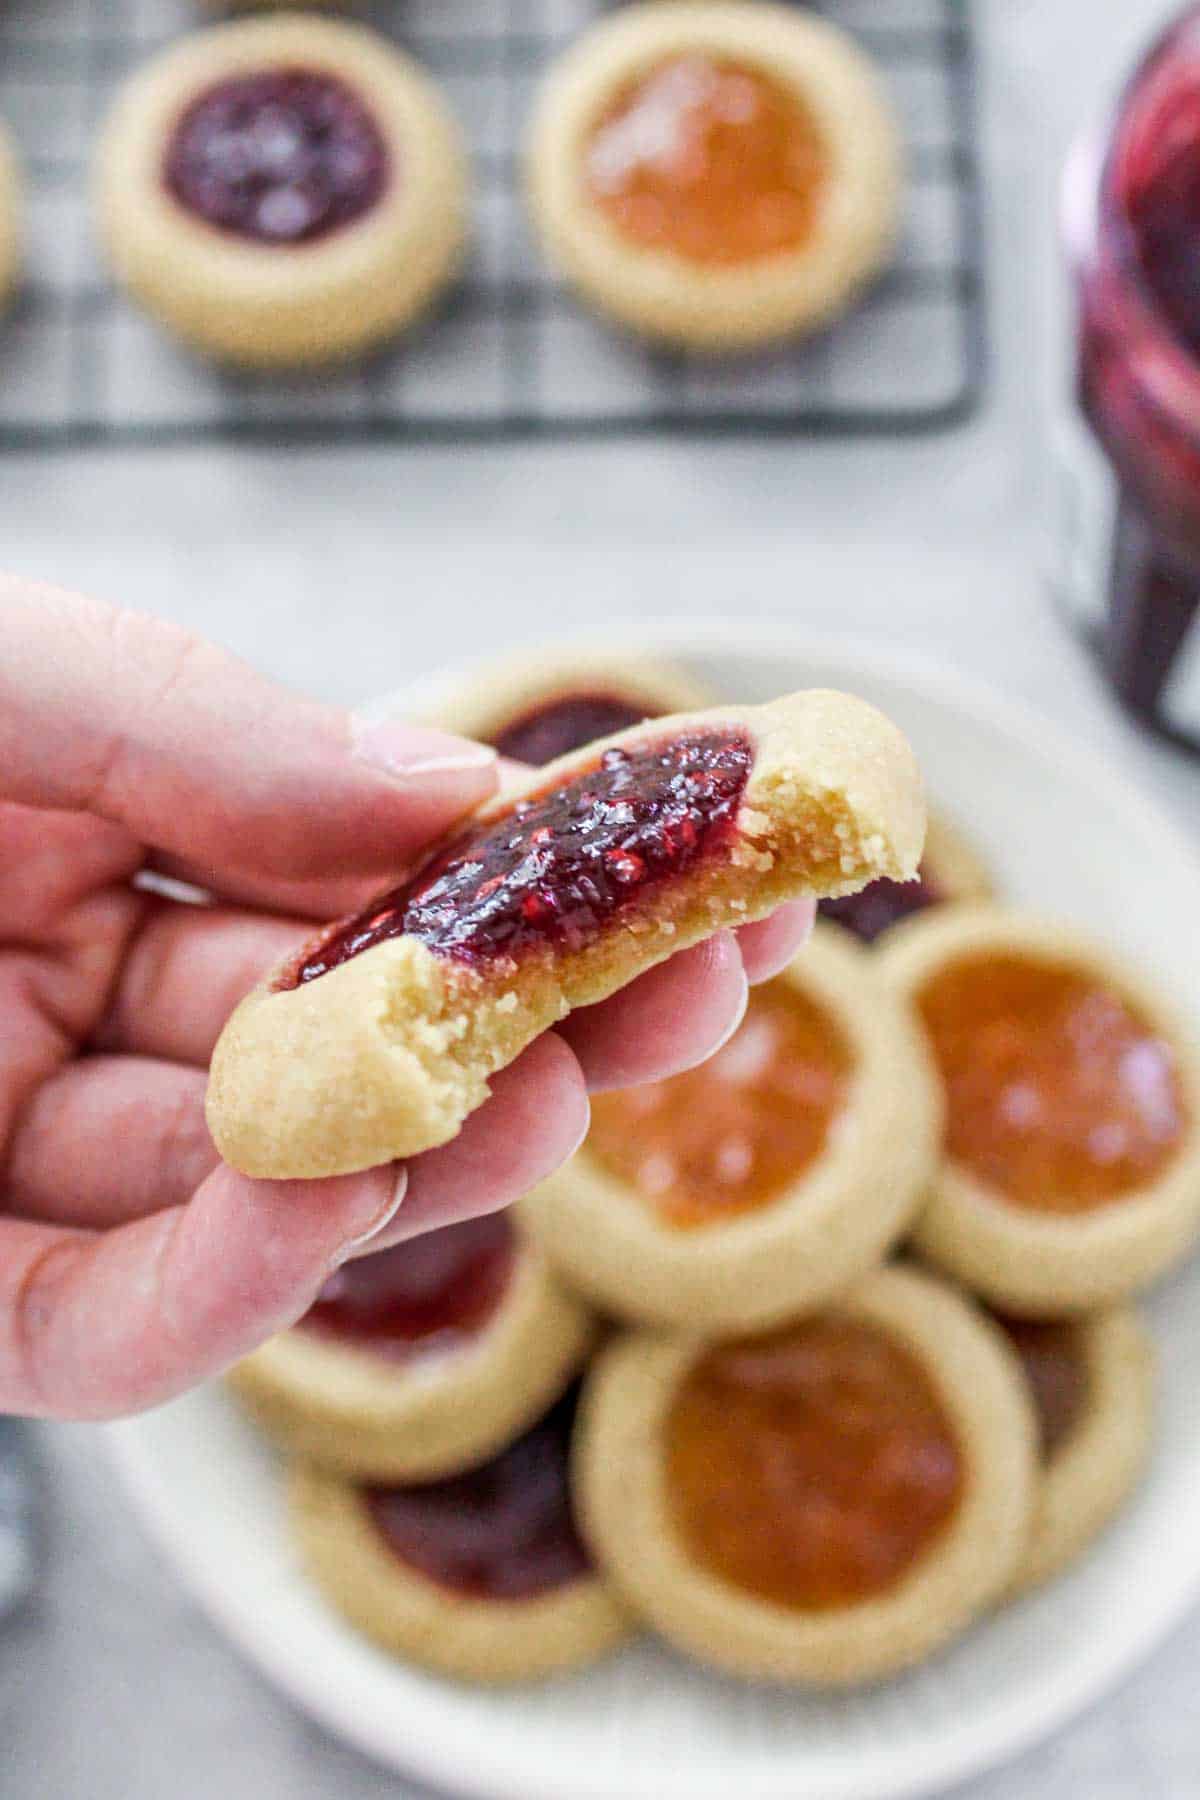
[(825, 1504), (420, 1360), (282, 190), (758, 1185), (376, 1040), (1070, 1173), (482, 1575), (715, 175)]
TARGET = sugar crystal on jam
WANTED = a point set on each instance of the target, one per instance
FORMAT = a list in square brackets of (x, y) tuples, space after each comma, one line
[(556, 867)]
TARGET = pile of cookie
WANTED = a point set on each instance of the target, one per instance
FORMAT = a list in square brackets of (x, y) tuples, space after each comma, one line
[(812, 1355), (293, 188)]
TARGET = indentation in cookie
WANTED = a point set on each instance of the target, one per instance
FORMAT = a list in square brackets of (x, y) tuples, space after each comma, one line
[(564, 723), (280, 156), (813, 1467), (428, 1296), (503, 1531), (555, 868)]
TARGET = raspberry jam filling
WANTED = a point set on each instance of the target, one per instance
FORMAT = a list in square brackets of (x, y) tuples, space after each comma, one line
[(282, 156), (812, 1468), (710, 160), (1058, 1094), (1055, 1367), (881, 904), (555, 868), (432, 1294), (732, 1135), (565, 723), (504, 1531)]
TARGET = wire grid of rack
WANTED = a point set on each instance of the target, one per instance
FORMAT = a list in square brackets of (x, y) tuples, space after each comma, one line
[(510, 353)]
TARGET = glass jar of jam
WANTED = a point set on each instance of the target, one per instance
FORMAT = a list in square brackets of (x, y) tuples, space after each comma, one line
[(1132, 225)]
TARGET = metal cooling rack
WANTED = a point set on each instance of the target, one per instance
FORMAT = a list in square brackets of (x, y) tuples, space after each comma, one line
[(511, 353)]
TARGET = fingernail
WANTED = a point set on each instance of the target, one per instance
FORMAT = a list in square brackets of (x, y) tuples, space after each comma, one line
[(736, 1021), (416, 752), (361, 1244)]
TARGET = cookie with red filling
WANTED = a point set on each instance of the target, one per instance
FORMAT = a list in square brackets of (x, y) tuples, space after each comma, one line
[(377, 1039), (282, 190), (483, 1575), (420, 1360)]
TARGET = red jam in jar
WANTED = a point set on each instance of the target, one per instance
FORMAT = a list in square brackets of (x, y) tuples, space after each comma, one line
[(1133, 218)]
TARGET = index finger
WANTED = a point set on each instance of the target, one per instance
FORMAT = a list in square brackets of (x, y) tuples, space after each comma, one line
[(133, 719)]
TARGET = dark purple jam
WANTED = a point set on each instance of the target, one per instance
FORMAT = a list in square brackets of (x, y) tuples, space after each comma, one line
[(505, 1531), (880, 905), (563, 724), (429, 1295), (283, 156), (555, 868)]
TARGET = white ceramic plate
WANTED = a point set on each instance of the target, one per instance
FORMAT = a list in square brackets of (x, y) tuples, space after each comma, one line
[(1064, 833)]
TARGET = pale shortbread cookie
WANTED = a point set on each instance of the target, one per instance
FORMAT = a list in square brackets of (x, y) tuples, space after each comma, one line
[(797, 1251), (385, 1054), (271, 305), (1040, 1264), (625, 1507), (471, 1636), (11, 231), (1091, 1473), (661, 293), (336, 1405)]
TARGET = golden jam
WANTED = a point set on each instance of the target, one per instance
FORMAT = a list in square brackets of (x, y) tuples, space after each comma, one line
[(812, 1468), (709, 159), (732, 1135), (1058, 1093)]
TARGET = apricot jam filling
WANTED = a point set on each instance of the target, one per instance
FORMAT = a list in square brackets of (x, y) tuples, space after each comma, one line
[(1058, 1093), (503, 1531), (813, 1468), (1056, 1369), (430, 1295), (735, 1133), (555, 868), (709, 159), (279, 156), (567, 722)]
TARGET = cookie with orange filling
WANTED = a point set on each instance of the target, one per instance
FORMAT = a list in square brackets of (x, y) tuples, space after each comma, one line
[(420, 1360), (756, 1186), (716, 175), (543, 705), (951, 871), (1070, 1173), (822, 1505), (1092, 1381), (482, 1575)]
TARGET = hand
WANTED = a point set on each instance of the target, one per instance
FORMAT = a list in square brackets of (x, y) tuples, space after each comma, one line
[(132, 1262)]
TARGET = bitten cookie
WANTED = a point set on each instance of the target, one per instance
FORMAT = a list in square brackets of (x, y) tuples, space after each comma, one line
[(952, 870), (715, 175), (759, 1185), (282, 190), (421, 1360), (820, 1506), (377, 1039)]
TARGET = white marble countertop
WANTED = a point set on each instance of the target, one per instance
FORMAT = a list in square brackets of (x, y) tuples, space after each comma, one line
[(322, 568)]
